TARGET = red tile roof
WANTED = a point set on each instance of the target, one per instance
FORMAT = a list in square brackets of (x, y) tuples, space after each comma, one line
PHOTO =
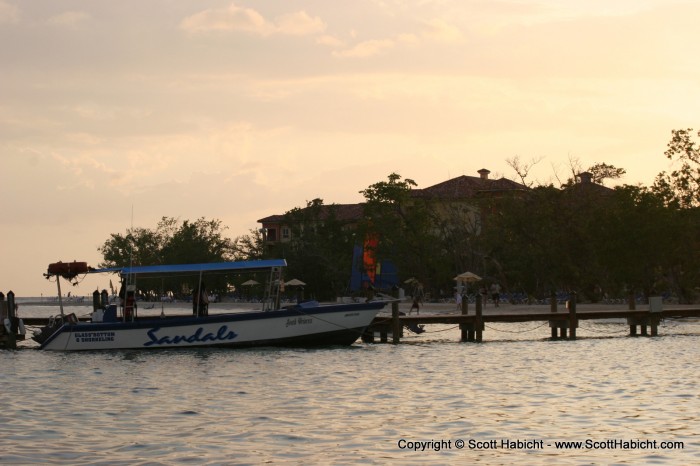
[(462, 187), (343, 212), (467, 187)]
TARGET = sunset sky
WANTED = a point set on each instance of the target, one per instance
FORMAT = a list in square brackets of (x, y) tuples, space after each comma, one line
[(236, 110)]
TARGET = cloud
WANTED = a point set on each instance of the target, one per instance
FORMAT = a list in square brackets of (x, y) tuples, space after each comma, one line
[(367, 48), (299, 24), (438, 30), (433, 31), (69, 18), (232, 18), (330, 41), (8, 13), (235, 18)]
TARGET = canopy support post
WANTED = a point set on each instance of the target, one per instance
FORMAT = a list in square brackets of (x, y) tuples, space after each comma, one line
[(60, 298)]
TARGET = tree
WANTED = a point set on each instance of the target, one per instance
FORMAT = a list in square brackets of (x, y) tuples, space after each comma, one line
[(522, 169), (527, 236), (197, 242), (171, 242), (603, 171), (681, 187), (138, 246), (249, 247), (406, 230), (319, 251)]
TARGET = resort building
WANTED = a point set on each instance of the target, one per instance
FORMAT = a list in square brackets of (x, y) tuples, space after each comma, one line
[(453, 199)]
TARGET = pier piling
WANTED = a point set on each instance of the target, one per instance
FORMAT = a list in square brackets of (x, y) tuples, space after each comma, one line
[(652, 319), (558, 326), (479, 321), (573, 322), (11, 327), (464, 327), (472, 330), (395, 323)]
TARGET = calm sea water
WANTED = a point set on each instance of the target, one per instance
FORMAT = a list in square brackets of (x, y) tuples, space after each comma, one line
[(366, 404)]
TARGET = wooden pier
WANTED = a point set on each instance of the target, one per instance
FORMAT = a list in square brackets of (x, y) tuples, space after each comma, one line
[(563, 325), (11, 328)]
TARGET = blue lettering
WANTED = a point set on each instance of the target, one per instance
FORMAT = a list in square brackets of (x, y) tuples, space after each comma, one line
[(223, 334)]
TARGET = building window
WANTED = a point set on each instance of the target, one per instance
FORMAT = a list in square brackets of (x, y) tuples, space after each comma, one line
[(285, 233), (271, 234)]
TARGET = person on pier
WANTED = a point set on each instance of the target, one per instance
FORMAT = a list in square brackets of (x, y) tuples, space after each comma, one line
[(416, 305)]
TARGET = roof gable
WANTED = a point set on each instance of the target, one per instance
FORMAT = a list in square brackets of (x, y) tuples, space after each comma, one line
[(468, 186)]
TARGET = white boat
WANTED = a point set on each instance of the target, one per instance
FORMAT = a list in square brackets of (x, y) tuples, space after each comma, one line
[(302, 324)]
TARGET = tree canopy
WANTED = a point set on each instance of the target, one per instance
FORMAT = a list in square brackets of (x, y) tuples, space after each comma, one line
[(681, 187), (171, 242), (577, 236), (319, 251)]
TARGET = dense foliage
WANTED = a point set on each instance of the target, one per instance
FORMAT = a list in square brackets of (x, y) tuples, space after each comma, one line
[(319, 252), (578, 236), (405, 229), (171, 242), (627, 241)]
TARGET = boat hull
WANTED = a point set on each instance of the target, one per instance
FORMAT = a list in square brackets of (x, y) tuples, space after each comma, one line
[(340, 324)]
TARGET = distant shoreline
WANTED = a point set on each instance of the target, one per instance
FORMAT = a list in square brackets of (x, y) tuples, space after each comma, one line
[(53, 303)]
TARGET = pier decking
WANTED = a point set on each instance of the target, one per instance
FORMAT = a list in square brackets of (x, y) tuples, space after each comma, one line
[(563, 323)]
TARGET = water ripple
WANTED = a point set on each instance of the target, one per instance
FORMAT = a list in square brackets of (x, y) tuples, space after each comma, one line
[(354, 405)]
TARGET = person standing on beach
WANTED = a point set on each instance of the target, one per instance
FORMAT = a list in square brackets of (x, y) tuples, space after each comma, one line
[(496, 293), (484, 295)]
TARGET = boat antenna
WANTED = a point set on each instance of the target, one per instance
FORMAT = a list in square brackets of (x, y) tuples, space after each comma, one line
[(131, 243), (129, 277)]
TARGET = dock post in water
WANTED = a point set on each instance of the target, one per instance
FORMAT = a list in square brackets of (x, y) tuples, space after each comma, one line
[(554, 325), (395, 323), (5, 336), (654, 324), (573, 322), (479, 321), (465, 328), (655, 312), (8, 322), (471, 331), (652, 319)]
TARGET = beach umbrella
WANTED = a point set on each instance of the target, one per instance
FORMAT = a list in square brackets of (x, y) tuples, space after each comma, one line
[(250, 283), (467, 277), (300, 291), (294, 282)]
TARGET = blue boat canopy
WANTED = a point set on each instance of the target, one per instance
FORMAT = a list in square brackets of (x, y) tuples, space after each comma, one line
[(221, 267)]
